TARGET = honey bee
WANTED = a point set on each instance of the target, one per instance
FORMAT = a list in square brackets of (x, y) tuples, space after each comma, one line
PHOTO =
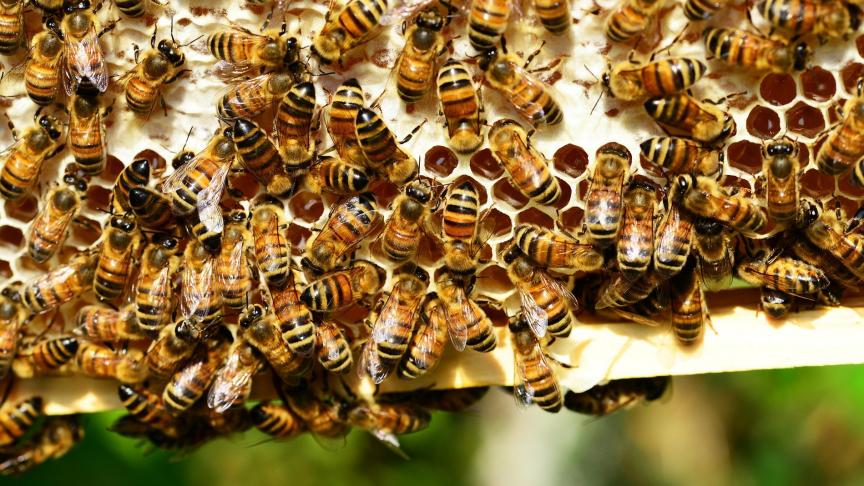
[(60, 285), (696, 10), (18, 418), (134, 175), (261, 158), (56, 437), (154, 70), (292, 315), (780, 169), (487, 21), (42, 68), (272, 247), (324, 419), (832, 267), (349, 223), (11, 26), (293, 126), (703, 196), (175, 344), (845, 144), (456, 400), (630, 80), (428, 341), (463, 238), (42, 356), (824, 230), (289, 362), (681, 113), (401, 235), (194, 378), (602, 400), (716, 255), (387, 420), (200, 296), (784, 274), (233, 381), (249, 98), (333, 175), (527, 169), (636, 240), (741, 48), (672, 238), (347, 101), (603, 202), (233, 263), (84, 69), (534, 379), (775, 303), (151, 208), (154, 288), (393, 324), (621, 292), (355, 24), (339, 289), (334, 351), (135, 8), (87, 134), (415, 69), (825, 20), (682, 156), (380, 150), (100, 361), (466, 321), (554, 15), (529, 96), (147, 407), (49, 230), (12, 318), (547, 305), (244, 50), (106, 324), (276, 420), (630, 19), (22, 162), (115, 259), (687, 308), (460, 104), (552, 249)]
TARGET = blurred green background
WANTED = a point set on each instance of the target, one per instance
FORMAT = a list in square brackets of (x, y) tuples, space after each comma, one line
[(798, 426)]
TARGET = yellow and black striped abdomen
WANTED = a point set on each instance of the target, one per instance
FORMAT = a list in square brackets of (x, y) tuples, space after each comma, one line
[(276, 420), (132, 8), (845, 145), (331, 292), (671, 75), (256, 151), (415, 72), (334, 352), (17, 418), (152, 209), (795, 16), (630, 19), (461, 211), (375, 138), (541, 379), (11, 29), (696, 10), (460, 105), (87, 144), (734, 46), (153, 297), (20, 171), (554, 15), (676, 155), (47, 356), (558, 315), (141, 93), (487, 20), (231, 46), (481, 335), (360, 17), (532, 100)]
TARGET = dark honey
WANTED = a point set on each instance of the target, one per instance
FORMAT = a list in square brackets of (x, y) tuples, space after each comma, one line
[(571, 160), (536, 217), (850, 74), (385, 192), (86, 230), (493, 279), (245, 183), (778, 89), (745, 155), (298, 236), (564, 197), (763, 122), (505, 192), (805, 120), (113, 167), (816, 183), (12, 236), (306, 206), (23, 209), (5, 270), (818, 84), (440, 161), (571, 218), (484, 165), (98, 198), (502, 224)]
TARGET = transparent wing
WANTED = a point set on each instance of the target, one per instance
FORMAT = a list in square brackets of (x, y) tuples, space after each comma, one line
[(457, 324), (370, 363), (390, 440), (17, 145), (633, 317), (522, 391), (12, 82), (175, 180), (236, 262), (195, 287), (536, 317), (55, 226), (84, 59), (334, 344), (559, 288), (388, 318), (209, 211), (408, 9), (457, 329), (230, 72), (427, 343), (232, 384), (256, 86)]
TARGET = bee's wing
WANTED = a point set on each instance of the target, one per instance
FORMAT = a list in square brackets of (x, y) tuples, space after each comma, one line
[(175, 180), (332, 344), (209, 211), (536, 317), (559, 288), (56, 226), (370, 363), (633, 317), (256, 85), (428, 341), (12, 82), (407, 10), (18, 144), (236, 261), (84, 59), (195, 286), (231, 72), (523, 392), (390, 440), (457, 328), (232, 384)]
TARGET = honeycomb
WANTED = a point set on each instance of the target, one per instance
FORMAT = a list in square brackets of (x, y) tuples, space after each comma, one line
[(802, 105)]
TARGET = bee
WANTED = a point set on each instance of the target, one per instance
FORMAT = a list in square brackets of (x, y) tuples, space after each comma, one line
[(232, 265), (56, 437), (552, 249), (115, 259), (825, 20), (12, 318), (832, 267), (775, 303), (293, 126), (703, 196), (428, 341), (630, 19), (100, 361), (84, 69), (602, 400), (333, 350), (347, 101), (245, 50), (151, 208), (534, 379), (387, 420), (487, 21), (741, 48), (276, 420), (249, 98), (682, 156), (292, 315), (87, 134), (60, 285), (845, 144), (824, 230), (192, 380), (687, 308), (135, 8), (175, 344), (456, 400), (134, 175), (630, 80), (48, 6), (333, 175), (546, 303), (672, 238), (784, 274), (681, 113), (261, 158), (460, 104), (41, 356), (200, 296), (380, 150), (401, 235), (42, 68), (463, 239), (11, 26), (529, 96), (22, 162), (337, 290), (526, 167), (780, 168), (154, 288), (636, 240), (158, 67), (603, 202), (233, 381), (288, 358), (621, 292), (715, 254), (148, 408), (554, 15), (106, 324), (49, 230), (272, 247), (349, 223), (355, 24), (393, 324), (415, 69), (18, 418), (696, 10), (466, 321), (324, 419)]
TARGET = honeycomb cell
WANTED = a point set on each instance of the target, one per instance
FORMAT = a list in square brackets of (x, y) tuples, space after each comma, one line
[(244, 184), (735, 184), (571, 160), (778, 89), (98, 198), (816, 183), (353, 313), (803, 154), (505, 192), (306, 206), (113, 167), (23, 209), (502, 224), (11, 235), (440, 161), (564, 197), (745, 155), (158, 164), (428, 253), (818, 84), (805, 120), (385, 192), (848, 206), (86, 231), (5, 270), (583, 188), (493, 279), (298, 236), (848, 187), (536, 217), (763, 122), (850, 74), (495, 314), (571, 218), (484, 165)]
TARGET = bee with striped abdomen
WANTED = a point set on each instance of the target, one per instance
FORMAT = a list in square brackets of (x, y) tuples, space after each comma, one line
[(158, 67), (621, 292), (845, 144), (630, 19), (682, 114), (387, 420), (462, 237), (784, 274), (100, 361), (12, 320), (11, 26), (534, 379), (780, 169), (233, 265), (341, 123), (381, 151), (87, 140), (604, 199), (192, 380), (402, 231), (688, 310), (832, 267), (119, 242), (428, 341), (200, 296), (106, 324), (703, 196), (289, 356), (233, 382), (22, 162), (554, 15), (467, 323), (527, 169), (825, 20), (288, 307), (630, 80), (84, 68), (42, 68), (271, 245), (43, 356), (152, 209), (460, 104), (529, 96), (487, 21), (355, 24), (261, 158), (602, 400), (741, 48), (552, 249), (251, 97), (635, 243), (61, 284), (243, 50), (825, 231), (16, 419), (715, 254), (333, 350), (696, 10), (57, 436), (134, 175), (154, 289), (775, 303), (349, 223), (673, 237), (293, 126), (147, 408), (331, 174), (175, 343), (415, 68), (337, 290), (50, 228), (276, 420), (682, 156)]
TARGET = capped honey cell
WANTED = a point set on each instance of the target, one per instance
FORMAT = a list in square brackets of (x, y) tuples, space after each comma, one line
[(818, 84), (778, 89), (763, 122), (805, 120), (571, 160), (440, 160)]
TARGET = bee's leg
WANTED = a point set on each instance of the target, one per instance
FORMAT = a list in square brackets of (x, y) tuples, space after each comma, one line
[(415, 130), (533, 55)]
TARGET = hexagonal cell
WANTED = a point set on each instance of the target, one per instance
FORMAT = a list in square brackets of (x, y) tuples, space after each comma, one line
[(385, 192), (818, 84), (483, 164), (859, 44), (745, 155), (850, 74), (245, 183), (536, 217), (805, 120), (734, 184), (158, 164), (848, 186), (98, 198), (505, 192), (571, 218), (440, 160), (763, 122), (571, 160), (564, 197), (493, 279), (23, 209), (498, 316), (502, 224), (848, 206), (306, 206), (816, 183), (113, 167), (428, 253), (10, 235), (803, 154), (298, 236), (86, 230), (5, 270), (834, 111), (778, 89)]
